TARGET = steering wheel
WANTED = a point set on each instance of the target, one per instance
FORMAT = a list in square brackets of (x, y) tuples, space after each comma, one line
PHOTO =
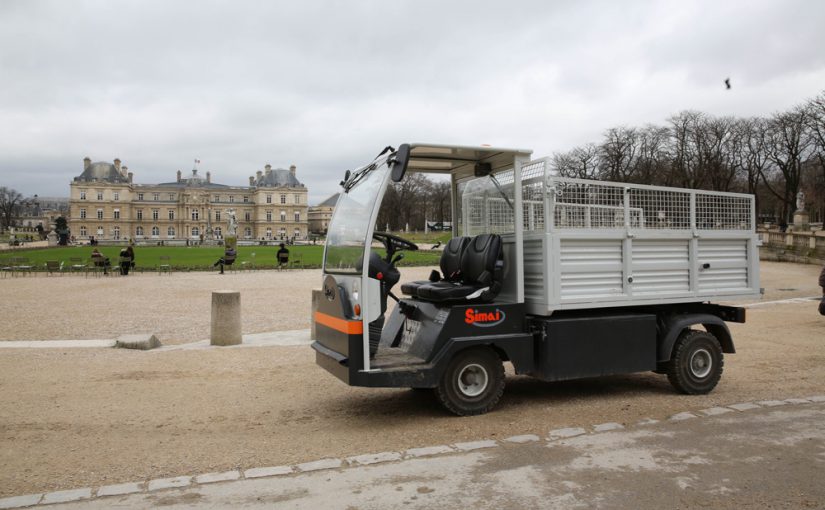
[(393, 243)]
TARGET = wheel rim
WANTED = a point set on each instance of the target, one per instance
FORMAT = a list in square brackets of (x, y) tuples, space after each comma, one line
[(701, 363), (472, 380)]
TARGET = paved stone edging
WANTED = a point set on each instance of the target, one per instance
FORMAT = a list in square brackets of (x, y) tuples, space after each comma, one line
[(560, 434)]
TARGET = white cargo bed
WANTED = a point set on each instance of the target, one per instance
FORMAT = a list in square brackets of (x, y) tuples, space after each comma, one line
[(604, 244)]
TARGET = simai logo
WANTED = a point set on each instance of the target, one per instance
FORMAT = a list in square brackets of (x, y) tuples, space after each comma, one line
[(484, 319)]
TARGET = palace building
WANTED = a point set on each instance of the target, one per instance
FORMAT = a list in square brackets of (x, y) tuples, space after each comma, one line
[(105, 204)]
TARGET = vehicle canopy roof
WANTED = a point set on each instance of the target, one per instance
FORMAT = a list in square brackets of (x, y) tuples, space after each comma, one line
[(460, 160)]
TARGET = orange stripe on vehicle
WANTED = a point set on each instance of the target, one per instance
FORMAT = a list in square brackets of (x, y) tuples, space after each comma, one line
[(342, 325)]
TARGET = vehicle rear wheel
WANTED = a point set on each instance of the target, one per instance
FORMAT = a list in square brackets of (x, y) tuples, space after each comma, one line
[(473, 382), (696, 364)]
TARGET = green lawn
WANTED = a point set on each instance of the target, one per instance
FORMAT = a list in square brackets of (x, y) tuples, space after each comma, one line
[(199, 257)]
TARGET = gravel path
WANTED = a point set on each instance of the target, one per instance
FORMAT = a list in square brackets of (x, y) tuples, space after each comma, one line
[(176, 307), (74, 418)]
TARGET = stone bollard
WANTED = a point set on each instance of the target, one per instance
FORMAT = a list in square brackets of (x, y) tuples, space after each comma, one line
[(226, 318), (317, 294)]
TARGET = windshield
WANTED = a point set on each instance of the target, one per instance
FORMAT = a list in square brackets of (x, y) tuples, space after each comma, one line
[(346, 237)]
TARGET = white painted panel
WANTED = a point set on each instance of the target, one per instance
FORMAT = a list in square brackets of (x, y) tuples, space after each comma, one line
[(728, 264), (590, 268), (535, 266), (660, 266)]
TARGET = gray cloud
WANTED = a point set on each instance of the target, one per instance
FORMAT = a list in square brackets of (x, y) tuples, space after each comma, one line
[(325, 85)]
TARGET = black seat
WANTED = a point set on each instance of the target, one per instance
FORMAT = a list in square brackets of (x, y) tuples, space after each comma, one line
[(450, 266), (481, 274)]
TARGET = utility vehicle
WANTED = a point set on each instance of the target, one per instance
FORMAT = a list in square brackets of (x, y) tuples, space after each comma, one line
[(564, 278)]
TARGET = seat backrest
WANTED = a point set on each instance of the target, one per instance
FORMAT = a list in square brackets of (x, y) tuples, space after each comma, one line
[(451, 258), (478, 263)]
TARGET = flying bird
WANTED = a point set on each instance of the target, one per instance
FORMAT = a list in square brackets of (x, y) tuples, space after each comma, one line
[(727, 83)]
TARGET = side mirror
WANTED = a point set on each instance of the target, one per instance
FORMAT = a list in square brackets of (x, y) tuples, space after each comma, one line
[(482, 169), (400, 162)]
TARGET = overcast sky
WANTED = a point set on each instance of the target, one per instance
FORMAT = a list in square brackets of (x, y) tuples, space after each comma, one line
[(327, 85)]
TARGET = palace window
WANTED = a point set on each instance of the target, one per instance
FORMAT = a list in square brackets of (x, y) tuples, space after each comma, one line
[(269, 216), (83, 214), (155, 196), (245, 199), (297, 216), (100, 195), (283, 199), (171, 196), (115, 196), (140, 196), (297, 233), (171, 214), (247, 233), (155, 214), (116, 233), (297, 199), (116, 214), (100, 214), (155, 231), (82, 195), (269, 233), (170, 232), (196, 232), (217, 198), (247, 216), (283, 215), (139, 213), (269, 199), (83, 231), (100, 232), (139, 231), (195, 214), (217, 215), (218, 232), (231, 198)]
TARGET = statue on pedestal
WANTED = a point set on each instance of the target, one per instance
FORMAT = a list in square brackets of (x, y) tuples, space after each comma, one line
[(231, 223), (800, 201)]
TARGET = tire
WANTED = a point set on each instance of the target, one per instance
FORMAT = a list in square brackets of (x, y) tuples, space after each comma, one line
[(696, 364), (473, 382)]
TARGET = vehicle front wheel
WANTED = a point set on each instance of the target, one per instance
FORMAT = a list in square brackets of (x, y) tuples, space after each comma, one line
[(473, 382), (696, 364)]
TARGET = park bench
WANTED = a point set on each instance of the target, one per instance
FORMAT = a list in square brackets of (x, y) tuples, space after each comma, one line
[(54, 266), (76, 264), (249, 264), (97, 266), (21, 265), (164, 264), (5, 267)]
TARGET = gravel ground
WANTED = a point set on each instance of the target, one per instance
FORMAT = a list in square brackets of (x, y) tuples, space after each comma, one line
[(71, 418), (176, 307)]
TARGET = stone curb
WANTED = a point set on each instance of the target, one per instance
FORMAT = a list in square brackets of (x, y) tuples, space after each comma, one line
[(556, 435)]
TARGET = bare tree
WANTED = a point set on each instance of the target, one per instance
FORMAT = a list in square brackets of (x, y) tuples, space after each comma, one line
[(10, 204), (816, 125), (618, 153), (687, 154), (579, 163), (717, 146), (653, 162), (439, 201), (789, 144)]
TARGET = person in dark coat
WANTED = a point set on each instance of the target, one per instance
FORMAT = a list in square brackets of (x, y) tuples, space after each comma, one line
[(822, 284), (228, 258), (282, 256)]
